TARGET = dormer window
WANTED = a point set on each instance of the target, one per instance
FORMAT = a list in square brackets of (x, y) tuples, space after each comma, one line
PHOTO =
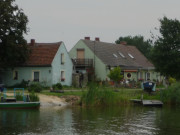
[(131, 56), (121, 55), (115, 55)]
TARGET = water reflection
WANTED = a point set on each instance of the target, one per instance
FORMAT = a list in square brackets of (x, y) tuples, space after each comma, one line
[(76, 120)]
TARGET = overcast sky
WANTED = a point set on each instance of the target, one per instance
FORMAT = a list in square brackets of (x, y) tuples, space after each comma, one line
[(71, 20)]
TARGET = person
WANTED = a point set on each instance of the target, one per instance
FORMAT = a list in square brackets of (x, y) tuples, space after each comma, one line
[(80, 79), (1, 88)]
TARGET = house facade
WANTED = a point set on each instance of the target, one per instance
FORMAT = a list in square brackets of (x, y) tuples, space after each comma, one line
[(105, 56), (48, 63)]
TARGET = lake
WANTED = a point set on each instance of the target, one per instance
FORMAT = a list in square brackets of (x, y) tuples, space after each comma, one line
[(136, 120)]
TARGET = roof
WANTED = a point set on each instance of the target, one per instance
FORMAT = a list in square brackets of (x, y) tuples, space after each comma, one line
[(42, 54), (107, 52)]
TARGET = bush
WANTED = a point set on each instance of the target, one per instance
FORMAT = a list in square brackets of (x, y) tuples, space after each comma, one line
[(23, 84), (57, 86), (19, 97), (36, 87), (33, 97), (171, 95)]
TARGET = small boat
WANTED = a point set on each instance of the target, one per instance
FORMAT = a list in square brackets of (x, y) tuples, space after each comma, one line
[(12, 103), (149, 86), (19, 105)]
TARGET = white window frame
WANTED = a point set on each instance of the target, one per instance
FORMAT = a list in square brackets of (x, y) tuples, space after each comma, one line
[(122, 55), (63, 78), (62, 58), (130, 55), (33, 75), (115, 55)]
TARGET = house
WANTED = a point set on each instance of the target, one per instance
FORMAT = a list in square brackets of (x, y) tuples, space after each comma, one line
[(48, 63), (104, 56)]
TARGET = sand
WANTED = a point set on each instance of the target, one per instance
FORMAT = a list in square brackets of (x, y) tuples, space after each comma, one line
[(51, 101)]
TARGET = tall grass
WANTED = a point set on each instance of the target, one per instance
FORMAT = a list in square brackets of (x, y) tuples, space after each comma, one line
[(33, 97), (97, 95), (171, 95)]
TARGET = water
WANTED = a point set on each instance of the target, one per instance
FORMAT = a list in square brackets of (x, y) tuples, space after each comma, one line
[(80, 121)]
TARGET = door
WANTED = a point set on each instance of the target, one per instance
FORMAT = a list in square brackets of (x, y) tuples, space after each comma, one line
[(80, 56)]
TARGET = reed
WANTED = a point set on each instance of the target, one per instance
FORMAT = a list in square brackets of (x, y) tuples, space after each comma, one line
[(171, 95), (97, 95), (33, 97)]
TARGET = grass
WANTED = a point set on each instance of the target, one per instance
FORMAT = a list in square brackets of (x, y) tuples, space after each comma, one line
[(66, 93), (95, 95)]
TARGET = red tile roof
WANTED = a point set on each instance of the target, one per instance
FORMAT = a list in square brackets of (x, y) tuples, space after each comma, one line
[(42, 54)]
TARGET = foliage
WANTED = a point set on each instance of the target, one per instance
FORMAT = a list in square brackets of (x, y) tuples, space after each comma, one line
[(36, 87), (145, 46), (115, 74), (23, 84), (172, 80), (19, 96), (97, 95), (57, 86), (13, 46), (171, 95), (166, 52), (33, 97)]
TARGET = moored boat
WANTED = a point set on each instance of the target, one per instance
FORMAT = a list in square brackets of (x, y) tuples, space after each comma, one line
[(19, 105)]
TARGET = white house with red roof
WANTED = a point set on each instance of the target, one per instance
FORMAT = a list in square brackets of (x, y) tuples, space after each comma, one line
[(48, 63)]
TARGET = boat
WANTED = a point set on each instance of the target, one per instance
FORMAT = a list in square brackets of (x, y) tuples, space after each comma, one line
[(19, 105), (149, 86), (12, 103)]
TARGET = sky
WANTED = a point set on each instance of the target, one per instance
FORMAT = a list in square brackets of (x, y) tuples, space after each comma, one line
[(72, 20)]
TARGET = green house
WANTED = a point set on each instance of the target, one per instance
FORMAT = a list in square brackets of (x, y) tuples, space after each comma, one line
[(104, 56), (48, 63)]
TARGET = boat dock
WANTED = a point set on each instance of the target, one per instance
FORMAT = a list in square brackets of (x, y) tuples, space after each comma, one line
[(148, 102)]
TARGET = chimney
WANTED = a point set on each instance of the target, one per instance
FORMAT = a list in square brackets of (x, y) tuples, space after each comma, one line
[(32, 42), (123, 42), (97, 39), (87, 38)]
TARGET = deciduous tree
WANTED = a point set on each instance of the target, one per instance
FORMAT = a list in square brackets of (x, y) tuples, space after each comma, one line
[(166, 52), (145, 46), (13, 25)]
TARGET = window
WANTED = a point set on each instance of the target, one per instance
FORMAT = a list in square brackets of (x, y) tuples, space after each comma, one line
[(36, 76), (131, 56), (148, 76), (121, 55), (129, 75), (62, 76), (62, 58), (115, 55), (15, 75)]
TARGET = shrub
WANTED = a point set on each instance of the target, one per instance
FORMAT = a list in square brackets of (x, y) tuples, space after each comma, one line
[(172, 80), (23, 84), (171, 95), (36, 87), (19, 97), (33, 97), (57, 86)]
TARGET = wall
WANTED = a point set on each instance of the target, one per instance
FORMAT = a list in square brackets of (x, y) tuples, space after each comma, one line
[(100, 68), (57, 67), (26, 73)]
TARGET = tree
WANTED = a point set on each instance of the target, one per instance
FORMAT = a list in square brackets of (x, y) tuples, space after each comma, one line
[(115, 74), (13, 46), (145, 46), (166, 52)]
